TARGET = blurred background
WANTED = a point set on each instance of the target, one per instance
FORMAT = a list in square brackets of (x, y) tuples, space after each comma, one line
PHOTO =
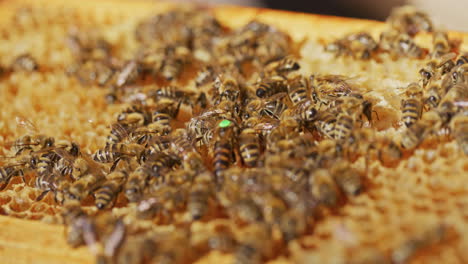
[(449, 14)]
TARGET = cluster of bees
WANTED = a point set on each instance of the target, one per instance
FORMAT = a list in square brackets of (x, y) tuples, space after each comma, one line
[(222, 124), (436, 102)]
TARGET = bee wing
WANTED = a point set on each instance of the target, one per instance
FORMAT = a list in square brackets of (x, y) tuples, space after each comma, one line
[(462, 104), (64, 154), (89, 234), (115, 239), (277, 96), (15, 164), (27, 124), (266, 126), (95, 168), (445, 58), (121, 129), (211, 113), (135, 97)]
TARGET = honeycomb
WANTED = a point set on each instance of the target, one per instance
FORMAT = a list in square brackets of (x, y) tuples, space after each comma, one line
[(415, 211)]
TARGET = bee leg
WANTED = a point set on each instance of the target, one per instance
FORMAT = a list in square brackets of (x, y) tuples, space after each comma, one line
[(21, 174), (376, 115), (362, 122), (114, 165), (202, 101), (5, 184), (42, 195), (176, 112)]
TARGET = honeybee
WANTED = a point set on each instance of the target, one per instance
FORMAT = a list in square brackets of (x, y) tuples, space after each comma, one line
[(106, 194), (197, 127), (462, 58), (74, 218), (459, 128), (224, 146), (118, 133), (365, 142), (347, 178), (112, 152), (245, 210), (298, 90), (293, 224), (269, 86), (174, 62), (82, 187), (143, 135), (387, 40), (160, 163), (453, 101), (50, 182), (405, 45), (272, 46), (162, 118), (46, 162), (305, 113), (24, 62), (327, 88), (459, 74), (227, 88), (149, 60), (83, 165), (98, 72), (359, 45), (184, 147), (136, 183), (173, 248), (305, 146), (181, 142), (399, 44), (351, 109), (326, 123), (324, 188), (88, 46), (326, 152), (8, 172), (249, 147), (247, 254), (409, 20), (135, 249), (440, 42), (222, 239), (135, 115), (282, 67), (263, 125), (434, 235), (198, 203), (205, 75), (272, 205), (254, 244), (415, 134), (128, 73), (172, 92), (154, 146), (411, 106), (287, 129), (112, 242), (33, 141), (362, 45), (433, 94), (273, 106), (437, 67)]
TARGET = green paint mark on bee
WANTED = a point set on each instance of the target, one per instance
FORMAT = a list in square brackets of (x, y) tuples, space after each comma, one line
[(224, 123)]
